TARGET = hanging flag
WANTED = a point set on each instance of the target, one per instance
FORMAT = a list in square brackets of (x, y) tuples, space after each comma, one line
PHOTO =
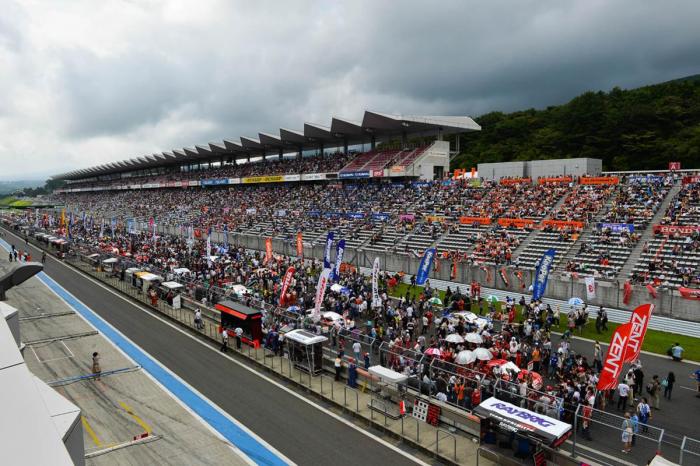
[(651, 290), (426, 263), (226, 236), (320, 292), (504, 277), (542, 274), (376, 300), (285, 284), (689, 293), (453, 273), (114, 225), (487, 271), (327, 251), (63, 218), (208, 251), (590, 288), (102, 229), (268, 250), (300, 246), (627, 293), (638, 329), (339, 251), (612, 368)]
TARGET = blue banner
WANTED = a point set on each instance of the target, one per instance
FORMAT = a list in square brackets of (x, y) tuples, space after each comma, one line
[(383, 217), (426, 264), (215, 182), (314, 213), (327, 251), (362, 174), (617, 227), (645, 179), (542, 273), (340, 249), (226, 236), (355, 215)]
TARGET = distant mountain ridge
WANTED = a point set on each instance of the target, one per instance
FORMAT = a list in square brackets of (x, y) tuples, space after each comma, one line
[(642, 128)]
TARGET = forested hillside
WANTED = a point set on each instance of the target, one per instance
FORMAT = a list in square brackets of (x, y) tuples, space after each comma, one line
[(642, 128)]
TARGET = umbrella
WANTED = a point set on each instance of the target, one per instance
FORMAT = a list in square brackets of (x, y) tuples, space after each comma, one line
[(437, 301), (435, 352), (482, 354), (536, 378), (293, 308), (336, 287), (576, 301), (474, 338), (493, 299), (454, 338), (465, 357), (496, 362), (510, 366)]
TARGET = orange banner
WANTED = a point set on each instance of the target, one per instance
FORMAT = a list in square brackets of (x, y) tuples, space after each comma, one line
[(516, 222), (473, 220), (506, 181), (300, 246), (599, 180), (557, 180), (268, 250), (434, 218), (562, 224)]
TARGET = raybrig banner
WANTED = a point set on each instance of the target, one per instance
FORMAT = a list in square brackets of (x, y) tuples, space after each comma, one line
[(426, 264), (327, 251), (339, 251), (321, 292), (542, 273), (376, 300)]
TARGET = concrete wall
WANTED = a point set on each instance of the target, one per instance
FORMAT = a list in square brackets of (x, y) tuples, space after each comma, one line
[(538, 168), (438, 155), (496, 171)]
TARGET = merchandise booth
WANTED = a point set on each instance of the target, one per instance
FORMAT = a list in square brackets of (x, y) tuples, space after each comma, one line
[(508, 429), (306, 350), (236, 315)]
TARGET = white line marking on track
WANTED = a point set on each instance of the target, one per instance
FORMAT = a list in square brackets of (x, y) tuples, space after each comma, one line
[(259, 374), (604, 455)]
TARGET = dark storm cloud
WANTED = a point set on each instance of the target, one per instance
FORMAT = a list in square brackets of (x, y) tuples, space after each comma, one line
[(126, 79)]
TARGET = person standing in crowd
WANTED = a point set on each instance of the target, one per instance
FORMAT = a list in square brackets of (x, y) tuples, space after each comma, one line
[(597, 357), (638, 379), (239, 337), (696, 375), (627, 432), (198, 319), (644, 414), (623, 391), (338, 364), (96, 369), (667, 384), (356, 349), (654, 390), (224, 340), (586, 420)]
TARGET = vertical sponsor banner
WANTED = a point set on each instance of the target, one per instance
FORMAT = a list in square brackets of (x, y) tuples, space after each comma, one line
[(285, 284), (339, 252), (102, 229), (627, 292), (638, 329), (320, 292), (113, 225), (376, 300), (208, 251), (425, 265), (268, 250), (590, 288), (226, 236), (300, 246), (327, 251), (612, 368), (542, 273)]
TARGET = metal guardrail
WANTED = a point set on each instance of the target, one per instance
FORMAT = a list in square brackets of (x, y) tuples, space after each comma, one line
[(445, 435), (689, 446)]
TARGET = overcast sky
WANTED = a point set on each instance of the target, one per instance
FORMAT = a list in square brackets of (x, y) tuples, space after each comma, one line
[(86, 82)]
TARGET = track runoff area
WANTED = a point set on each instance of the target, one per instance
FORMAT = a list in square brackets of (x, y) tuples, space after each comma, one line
[(264, 421)]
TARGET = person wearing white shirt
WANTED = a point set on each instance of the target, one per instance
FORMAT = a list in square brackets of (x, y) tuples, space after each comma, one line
[(623, 391), (356, 348)]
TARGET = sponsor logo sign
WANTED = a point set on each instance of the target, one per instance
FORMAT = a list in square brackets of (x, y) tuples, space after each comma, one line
[(262, 179), (683, 230), (360, 174)]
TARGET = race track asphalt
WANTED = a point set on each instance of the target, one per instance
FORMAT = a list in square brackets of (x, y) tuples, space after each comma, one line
[(301, 432)]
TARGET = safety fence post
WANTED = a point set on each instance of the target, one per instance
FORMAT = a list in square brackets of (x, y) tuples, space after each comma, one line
[(573, 440)]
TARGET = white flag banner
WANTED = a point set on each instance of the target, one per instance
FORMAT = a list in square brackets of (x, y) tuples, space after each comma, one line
[(321, 292), (590, 288), (376, 300), (208, 252)]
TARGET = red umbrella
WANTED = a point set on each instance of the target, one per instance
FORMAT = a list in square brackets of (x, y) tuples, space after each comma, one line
[(536, 378), (496, 362), (435, 352)]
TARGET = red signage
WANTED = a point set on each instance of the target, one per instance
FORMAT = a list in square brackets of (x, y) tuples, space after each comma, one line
[(683, 230), (615, 358), (377, 173), (599, 180), (506, 181), (674, 165), (562, 224), (433, 417), (557, 180), (516, 222), (691, 179), (473, 220), (690, 293)]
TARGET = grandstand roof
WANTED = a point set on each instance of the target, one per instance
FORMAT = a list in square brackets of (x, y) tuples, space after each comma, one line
[(374, 125)]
